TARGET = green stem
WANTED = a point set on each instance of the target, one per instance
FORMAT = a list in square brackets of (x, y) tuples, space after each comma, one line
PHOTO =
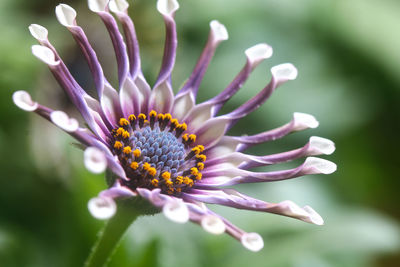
[(111, 235)]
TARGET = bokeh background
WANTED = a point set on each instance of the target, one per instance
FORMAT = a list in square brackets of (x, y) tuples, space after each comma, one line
[(348, 57)]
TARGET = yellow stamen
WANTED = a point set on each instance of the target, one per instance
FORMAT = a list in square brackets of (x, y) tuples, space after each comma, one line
[(166, 175), (153, 113), (182, 126), (174, 122), (125, 134), (160, 116), (142, 116), (200, 166), (201, 157), (167, 117), (179, 180), (134, 165), (120, 131), (152, 171), (127, 150), (146, 166), (118, 145), (154, 182), (185, 137), (194, 171), (197, 149), (136, 153), (188, 181), (123, 122), (199, 176), (132, 117), (178, 189), (192, 138), (169, 182)]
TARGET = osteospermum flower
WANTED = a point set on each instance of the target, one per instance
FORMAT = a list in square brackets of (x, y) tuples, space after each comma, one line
[(166, 148)]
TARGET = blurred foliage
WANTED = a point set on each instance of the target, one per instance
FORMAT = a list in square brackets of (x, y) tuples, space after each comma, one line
[(348, 57)]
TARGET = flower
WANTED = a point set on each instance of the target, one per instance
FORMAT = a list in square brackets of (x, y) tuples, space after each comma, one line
[(166, 148)]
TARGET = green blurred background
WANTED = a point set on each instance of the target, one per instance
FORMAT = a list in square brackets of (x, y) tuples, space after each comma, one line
[(348, 57)]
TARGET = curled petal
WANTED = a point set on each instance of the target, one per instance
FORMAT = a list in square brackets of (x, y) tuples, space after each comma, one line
[(218, 33), (117, 191), (95, 160), (284, 72), (98, 5), (167, 7), (319, 145), (23, 100), (176, 211), (256, 54), (303, 121), (102, 208), (130, 98), (118, 6), (213, 224), (314, 165), (62, 120), (38, 32), (252, 241), (45, 54), (110, 104), (66, 15)]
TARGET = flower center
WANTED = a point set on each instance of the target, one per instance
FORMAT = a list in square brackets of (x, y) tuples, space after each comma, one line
[(155, 152)]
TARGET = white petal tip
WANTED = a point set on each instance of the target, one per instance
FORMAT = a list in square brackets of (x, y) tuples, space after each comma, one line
[(252, 241), (320, 145), (62, 120), (38, 32), (313, 216), (95, 160), (118, 6), (97, 5), (317, 165), (176, 211), (213, 225), (258, 53), (45, 54), (304, 121), (66, 15), (167, 7), (284, 72), (23, 100), (102, 208), (219, 31)]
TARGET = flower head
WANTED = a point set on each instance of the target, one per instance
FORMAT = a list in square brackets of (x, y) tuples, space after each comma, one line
[(166, 148)]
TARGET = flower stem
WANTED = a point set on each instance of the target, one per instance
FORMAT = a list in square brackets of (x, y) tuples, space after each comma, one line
[(111, 235)]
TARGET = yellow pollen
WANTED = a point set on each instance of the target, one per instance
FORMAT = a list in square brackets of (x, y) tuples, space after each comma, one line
[(132, 117), (142, 116), (153, 113), (178, 189), (152, 171), (134, 165), (201, 157), (201, 148), (146, 166), (194, 171), (127, 150), (192, 138), (200, 166), (154, 182), (196, 150), (174, 122), (170, 191), (187, 181), (179, 180), (169, 182), (182, 126), (167, 117), (185, 137), (199, 176), (120, 131), (160, 116), (136, 153), (123, 122), (118, 145), (125, 134), (166, 175)]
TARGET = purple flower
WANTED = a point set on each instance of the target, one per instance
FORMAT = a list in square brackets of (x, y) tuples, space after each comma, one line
[(166, 148)]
